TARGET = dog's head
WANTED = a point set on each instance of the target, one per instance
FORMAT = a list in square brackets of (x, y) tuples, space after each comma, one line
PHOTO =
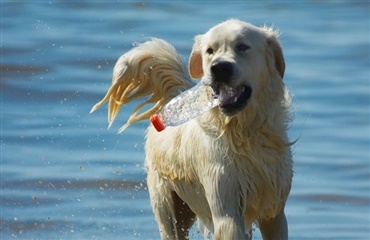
[(234, 57)]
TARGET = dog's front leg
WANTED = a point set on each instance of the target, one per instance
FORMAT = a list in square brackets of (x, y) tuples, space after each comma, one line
[(275, 228), (162, 204), (224, 198)]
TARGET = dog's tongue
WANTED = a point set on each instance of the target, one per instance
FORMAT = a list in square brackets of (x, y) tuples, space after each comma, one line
[(228, 95)]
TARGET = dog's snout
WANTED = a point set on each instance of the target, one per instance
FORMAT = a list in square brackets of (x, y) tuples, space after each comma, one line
[(221, 71)]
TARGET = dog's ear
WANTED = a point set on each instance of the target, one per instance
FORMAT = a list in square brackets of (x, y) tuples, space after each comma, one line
[(277, 52), (195, 60)]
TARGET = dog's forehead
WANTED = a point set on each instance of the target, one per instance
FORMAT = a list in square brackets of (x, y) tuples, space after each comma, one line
[(232, 30)]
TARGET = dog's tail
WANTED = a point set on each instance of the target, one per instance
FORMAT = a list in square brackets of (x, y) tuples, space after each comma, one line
[(152, 69)]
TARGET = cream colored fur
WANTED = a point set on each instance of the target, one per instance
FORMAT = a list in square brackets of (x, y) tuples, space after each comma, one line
[(226, 171)]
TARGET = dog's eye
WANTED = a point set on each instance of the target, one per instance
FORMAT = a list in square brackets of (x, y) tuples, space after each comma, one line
[(242, 47), (209, 50)]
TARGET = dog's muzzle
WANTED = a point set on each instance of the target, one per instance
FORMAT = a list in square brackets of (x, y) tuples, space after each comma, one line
[(222, 71), (232, 99)]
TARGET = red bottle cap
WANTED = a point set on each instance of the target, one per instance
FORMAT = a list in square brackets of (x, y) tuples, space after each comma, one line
[(157, 122)]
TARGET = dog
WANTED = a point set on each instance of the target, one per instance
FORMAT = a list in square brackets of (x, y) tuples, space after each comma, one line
[(231, 166)]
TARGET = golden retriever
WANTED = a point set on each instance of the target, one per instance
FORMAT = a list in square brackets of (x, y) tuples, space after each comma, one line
[(231, 166)]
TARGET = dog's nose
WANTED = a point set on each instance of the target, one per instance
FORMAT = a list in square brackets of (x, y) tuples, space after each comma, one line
[(221, 71)]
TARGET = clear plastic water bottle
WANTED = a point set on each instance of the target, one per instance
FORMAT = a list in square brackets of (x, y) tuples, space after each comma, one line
[(185, 107)]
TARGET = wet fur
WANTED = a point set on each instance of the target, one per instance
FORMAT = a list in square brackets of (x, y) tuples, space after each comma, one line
[(227, 172)]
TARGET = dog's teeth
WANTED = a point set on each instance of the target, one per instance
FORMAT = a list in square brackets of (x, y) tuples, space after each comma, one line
[(235, 99)]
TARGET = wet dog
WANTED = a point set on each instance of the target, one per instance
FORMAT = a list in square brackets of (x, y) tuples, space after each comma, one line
[(231, 166)]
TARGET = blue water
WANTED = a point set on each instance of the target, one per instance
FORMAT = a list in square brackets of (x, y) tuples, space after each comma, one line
[(65, 176)]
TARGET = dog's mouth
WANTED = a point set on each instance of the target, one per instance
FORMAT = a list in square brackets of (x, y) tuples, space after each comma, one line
[(232, 100)]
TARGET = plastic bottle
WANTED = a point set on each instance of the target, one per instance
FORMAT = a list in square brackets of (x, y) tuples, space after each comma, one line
[(185, 107)]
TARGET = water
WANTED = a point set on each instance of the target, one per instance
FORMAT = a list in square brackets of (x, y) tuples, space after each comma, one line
[(64, 176)]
